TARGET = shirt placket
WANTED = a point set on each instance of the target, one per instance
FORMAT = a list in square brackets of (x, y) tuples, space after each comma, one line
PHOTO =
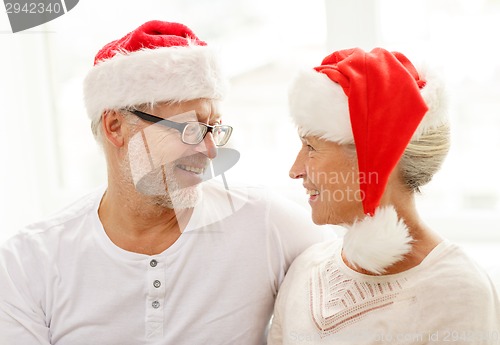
[(155, 300)]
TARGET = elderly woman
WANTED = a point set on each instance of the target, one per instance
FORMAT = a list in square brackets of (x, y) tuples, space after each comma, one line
[(373, 131)]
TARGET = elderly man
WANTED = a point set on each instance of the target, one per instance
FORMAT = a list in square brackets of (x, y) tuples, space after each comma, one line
[(163, 254)]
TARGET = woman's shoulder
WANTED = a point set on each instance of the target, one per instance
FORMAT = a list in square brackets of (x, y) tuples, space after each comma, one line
[(451, 270), (319, 253), (448, 260)]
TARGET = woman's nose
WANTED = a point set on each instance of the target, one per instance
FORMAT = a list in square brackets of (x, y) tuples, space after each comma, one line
[(298, 169)]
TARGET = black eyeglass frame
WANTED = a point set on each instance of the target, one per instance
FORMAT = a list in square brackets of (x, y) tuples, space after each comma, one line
[(181, 126)]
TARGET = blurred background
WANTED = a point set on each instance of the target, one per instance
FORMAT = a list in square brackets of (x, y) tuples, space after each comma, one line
[(49, 156)]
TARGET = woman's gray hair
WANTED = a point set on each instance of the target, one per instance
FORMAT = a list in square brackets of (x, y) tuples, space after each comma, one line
[(423, 157)]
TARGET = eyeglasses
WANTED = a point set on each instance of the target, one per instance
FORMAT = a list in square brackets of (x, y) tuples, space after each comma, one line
[(192, 132)]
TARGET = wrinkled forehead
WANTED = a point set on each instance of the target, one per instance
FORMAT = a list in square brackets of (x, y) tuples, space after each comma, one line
[(202, 110)]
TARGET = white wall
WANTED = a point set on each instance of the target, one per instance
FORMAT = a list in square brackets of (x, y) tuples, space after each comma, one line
[(50, 158)]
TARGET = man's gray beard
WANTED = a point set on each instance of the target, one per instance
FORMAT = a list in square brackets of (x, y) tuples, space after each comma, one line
[(161, 188)]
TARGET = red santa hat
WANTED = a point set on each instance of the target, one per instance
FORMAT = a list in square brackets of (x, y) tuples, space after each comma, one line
[(378, 101), (158, 61)]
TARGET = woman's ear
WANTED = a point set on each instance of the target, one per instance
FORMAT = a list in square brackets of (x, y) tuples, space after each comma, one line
[(114, 127)]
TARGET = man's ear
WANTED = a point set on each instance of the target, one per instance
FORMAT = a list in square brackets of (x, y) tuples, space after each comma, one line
[(114, 127)]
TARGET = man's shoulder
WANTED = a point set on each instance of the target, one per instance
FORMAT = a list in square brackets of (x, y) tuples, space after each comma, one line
[(238, 195), (242, 190), (63, 220)]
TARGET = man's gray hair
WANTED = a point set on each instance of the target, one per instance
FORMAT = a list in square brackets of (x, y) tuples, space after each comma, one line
[(96, 125)]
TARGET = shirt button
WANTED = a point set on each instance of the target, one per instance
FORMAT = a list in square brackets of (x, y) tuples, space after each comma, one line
[(157, 284), (156, 304), (153, 263)]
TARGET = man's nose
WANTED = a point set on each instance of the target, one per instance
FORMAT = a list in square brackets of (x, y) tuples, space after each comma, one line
[(207, 146)]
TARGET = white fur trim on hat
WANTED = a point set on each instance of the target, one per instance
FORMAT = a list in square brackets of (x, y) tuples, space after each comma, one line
[(319, 106), (153, 75), (377, 242), (436, 97)]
